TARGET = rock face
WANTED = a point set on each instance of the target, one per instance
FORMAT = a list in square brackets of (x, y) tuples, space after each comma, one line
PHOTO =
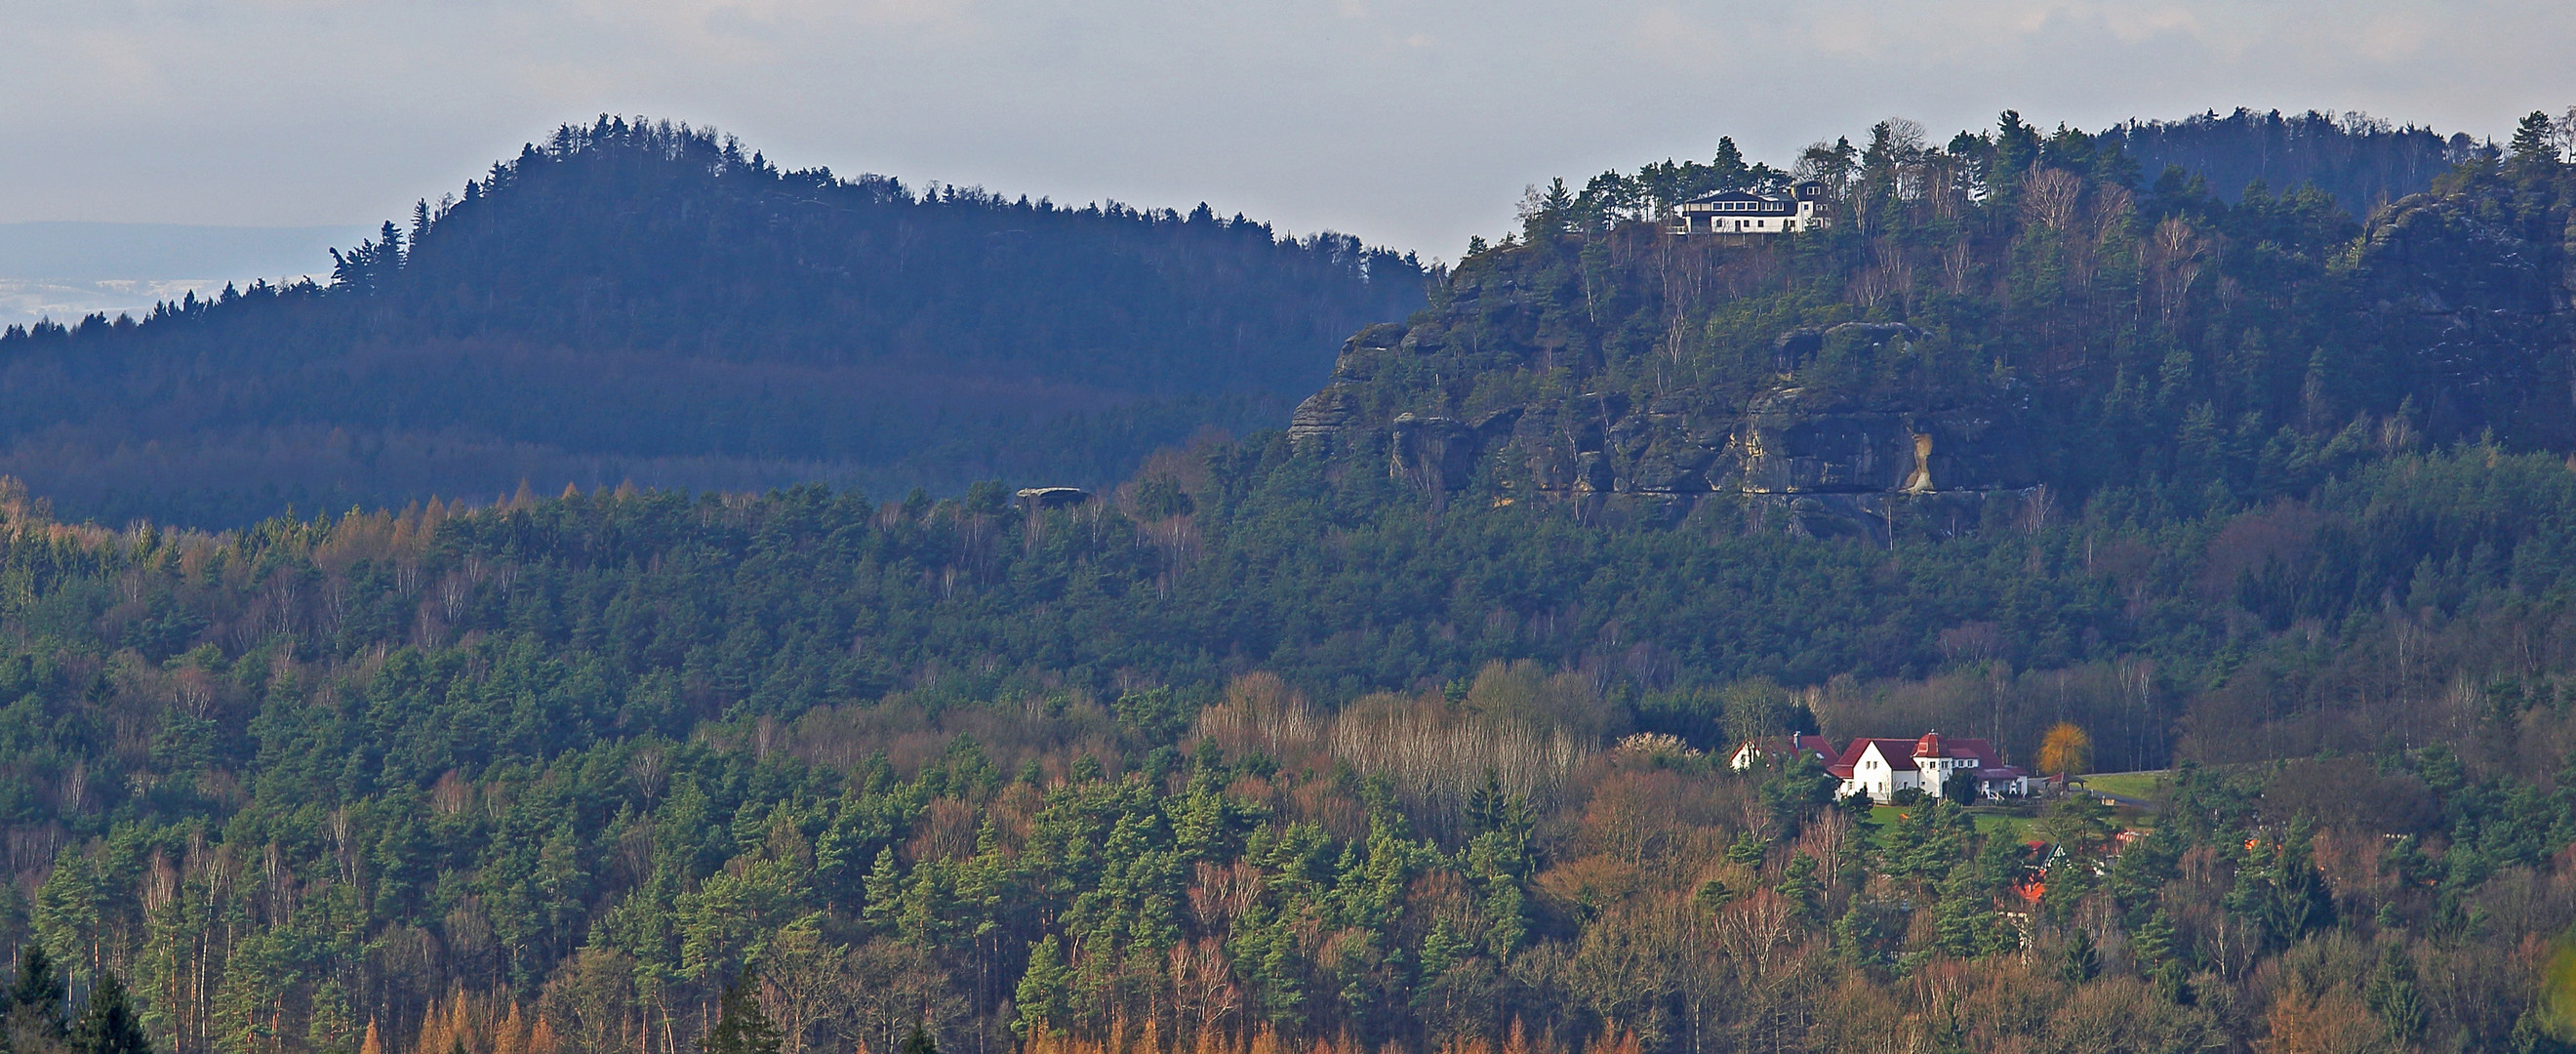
[(2479, 297), (1805, 461), (2238, 353), (1438, 452), (1856, 470), (1325, 415), (1788, 444)]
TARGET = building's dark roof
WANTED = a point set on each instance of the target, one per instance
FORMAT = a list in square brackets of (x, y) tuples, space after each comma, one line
[(1054, 497), (1734, 195), (1764, 204)]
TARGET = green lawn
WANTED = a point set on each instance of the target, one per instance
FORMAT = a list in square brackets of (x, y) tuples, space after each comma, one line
[(2144, 786), (2015, 827), (2018, 827)]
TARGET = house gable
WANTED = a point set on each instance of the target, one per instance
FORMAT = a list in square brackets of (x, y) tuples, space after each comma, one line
[(1882, 767)]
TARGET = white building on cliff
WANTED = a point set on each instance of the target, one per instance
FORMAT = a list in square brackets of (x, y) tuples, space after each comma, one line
[(1751, 212)]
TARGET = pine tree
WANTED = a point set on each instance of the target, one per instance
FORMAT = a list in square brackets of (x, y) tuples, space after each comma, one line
[(1964, 918), (1042, 990), (2535, 138)]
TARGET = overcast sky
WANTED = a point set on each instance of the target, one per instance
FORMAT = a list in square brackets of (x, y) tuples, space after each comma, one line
[(1413, 123)]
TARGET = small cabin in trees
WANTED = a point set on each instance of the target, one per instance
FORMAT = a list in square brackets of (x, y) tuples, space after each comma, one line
[(1882, 767), (1782, 747), (1752, 212)]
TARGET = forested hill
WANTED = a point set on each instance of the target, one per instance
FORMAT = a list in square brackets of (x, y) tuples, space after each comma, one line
[(2004, 318), (1407, 729), (638, 300)]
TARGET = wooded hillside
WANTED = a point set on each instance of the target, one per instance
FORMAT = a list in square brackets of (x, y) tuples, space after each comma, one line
[(1309, 743), (642, 301)]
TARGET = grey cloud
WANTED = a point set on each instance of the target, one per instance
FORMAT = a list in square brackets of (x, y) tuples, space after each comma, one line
[(1409, 122)]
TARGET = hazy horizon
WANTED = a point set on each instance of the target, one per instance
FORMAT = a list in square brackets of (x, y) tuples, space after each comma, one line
[(66, 269), (1409, 123)]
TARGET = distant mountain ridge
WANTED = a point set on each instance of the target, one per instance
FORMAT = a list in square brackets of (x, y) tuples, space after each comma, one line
[(70, 269), (642, 300)]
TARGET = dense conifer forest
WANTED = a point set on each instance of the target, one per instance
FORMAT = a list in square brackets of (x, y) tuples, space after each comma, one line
[(639, 300), (1338, 742), (2364, 162)]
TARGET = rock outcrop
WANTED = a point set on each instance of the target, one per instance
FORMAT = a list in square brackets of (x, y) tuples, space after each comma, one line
[(2476, 292), (1337, 407), (2087, 339), (1805, 461), (1440, 452)]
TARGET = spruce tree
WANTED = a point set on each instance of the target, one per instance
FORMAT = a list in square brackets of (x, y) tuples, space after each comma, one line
[(2082, 962), (919, 1042), (2152, 943), (1731, 170), (38, 992), (2392, 995), (107, 1024), (1799, 885), (741, 1026)]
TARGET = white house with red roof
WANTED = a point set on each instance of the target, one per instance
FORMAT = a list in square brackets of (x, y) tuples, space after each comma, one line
[(1882, 767), (1753, 750)]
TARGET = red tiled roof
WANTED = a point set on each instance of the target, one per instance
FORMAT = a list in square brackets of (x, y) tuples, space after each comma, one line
[(1901, 755), (1977, 750), (1898, 752)]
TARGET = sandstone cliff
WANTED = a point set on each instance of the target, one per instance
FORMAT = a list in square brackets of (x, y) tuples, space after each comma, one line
[(1961, 364), (1818, 463)]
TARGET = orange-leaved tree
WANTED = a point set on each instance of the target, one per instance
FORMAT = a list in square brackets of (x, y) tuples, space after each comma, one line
[(2065, 751)]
